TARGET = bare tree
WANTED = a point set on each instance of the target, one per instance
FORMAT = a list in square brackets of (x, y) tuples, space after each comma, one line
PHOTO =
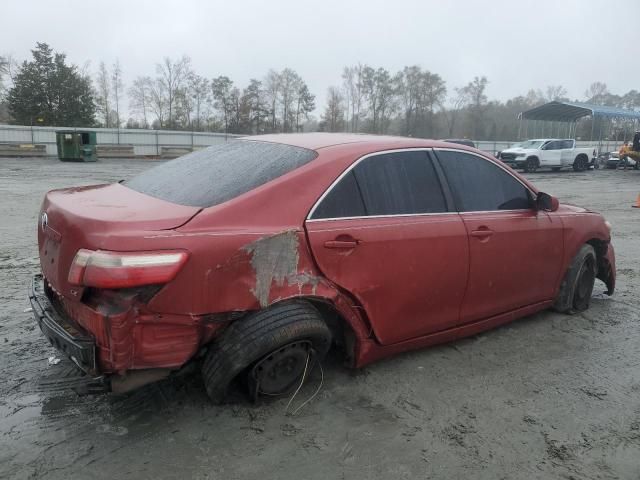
[(556, 93), (103, 94), (407, 84), (597, 93), (272, 92), (172, 75), (476, 99), (352, 80), (4, 70), (199, 91), (139, 98), (333, 117), (158, 101), (305, 104), (222, 92), (432, 93), (290, 83), (379, 91), (456, 103), (118, 87)]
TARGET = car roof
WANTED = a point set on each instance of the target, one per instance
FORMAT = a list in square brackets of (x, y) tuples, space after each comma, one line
[(320, 140)]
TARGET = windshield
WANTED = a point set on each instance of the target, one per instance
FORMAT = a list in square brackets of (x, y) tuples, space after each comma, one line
[(528, 144), (219, 173)]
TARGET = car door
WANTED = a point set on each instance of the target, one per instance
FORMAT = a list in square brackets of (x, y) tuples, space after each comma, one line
[(515, 250), (568, 153), (384, 232), (551, 153)]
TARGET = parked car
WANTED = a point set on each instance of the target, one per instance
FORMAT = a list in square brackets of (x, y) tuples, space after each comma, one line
[(549, 153), (258, 254), (461, 141), (614, 161)]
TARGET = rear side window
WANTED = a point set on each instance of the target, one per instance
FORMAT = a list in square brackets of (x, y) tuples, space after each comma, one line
[(479, 185), (219, 173), (344, 200), (400, 183), (386, 184)]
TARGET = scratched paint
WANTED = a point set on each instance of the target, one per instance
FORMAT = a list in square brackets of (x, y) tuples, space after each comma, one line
[(274, 259)]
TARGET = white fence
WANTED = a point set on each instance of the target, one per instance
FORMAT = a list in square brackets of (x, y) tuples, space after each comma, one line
[(145, 142), (150, 142)]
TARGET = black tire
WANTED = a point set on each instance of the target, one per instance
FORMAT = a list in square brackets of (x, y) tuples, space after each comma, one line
[(580, 163), (251, 339), (531, 165), (577, 284)]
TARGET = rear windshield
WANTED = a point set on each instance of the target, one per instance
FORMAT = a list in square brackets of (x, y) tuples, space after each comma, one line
[(219, 173)]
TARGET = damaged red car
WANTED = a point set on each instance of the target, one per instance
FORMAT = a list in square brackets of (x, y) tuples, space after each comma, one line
[(257, 255)]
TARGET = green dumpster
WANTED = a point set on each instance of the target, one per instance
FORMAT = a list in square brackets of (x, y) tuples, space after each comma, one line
[(76, 146)]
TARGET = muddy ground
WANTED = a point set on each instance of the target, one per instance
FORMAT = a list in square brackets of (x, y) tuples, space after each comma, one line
[(549, 396)]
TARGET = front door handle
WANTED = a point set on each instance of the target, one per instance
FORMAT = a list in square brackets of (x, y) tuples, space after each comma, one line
[(341, 244), (482, 232)]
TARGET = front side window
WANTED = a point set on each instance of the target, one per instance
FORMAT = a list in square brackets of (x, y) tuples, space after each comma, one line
[(479, 185), (398, 183)]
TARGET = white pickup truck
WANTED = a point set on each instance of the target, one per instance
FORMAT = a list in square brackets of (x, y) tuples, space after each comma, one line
[(553, 153)]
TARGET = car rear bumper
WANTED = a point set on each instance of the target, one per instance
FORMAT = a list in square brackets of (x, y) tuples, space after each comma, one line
[(64, 336)]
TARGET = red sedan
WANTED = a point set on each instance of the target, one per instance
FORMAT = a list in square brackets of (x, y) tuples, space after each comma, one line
[(260, 253)]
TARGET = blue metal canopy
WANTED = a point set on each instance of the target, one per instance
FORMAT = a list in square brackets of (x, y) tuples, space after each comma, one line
[(570, 111)]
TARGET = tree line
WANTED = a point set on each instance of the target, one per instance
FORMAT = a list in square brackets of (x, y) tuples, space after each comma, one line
[(47, 90)]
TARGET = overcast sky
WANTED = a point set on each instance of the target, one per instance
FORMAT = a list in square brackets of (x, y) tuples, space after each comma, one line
[(516, 44)]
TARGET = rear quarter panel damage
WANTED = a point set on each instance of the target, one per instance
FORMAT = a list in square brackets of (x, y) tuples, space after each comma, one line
[(242, 272)]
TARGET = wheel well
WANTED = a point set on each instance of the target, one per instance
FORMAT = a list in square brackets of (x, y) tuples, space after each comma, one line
[(585, 156), (533, 157), (343, 335), (600, 247)]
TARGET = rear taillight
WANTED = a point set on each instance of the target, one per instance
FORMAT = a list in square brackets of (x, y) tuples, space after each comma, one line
[(114, 270)]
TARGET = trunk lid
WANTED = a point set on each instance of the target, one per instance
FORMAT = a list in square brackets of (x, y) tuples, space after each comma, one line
[(84, 217)]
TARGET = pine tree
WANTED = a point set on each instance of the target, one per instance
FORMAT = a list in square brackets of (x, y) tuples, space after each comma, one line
[(50, 92)]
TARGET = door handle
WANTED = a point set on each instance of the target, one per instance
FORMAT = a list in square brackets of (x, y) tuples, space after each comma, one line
[(341, 244), (482, 233)]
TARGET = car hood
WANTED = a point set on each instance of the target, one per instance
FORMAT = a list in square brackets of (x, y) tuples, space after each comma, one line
[(568, 208), (519, 150)]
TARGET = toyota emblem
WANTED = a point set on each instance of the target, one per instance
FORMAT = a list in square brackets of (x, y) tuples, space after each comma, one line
[(44, 221)]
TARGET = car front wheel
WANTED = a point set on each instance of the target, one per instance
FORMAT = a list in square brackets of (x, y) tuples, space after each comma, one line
[(577, 285), (270, 351), (580, 164), (531, 165)]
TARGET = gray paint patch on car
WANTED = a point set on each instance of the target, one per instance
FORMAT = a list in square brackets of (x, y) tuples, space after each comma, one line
[(273, 258)]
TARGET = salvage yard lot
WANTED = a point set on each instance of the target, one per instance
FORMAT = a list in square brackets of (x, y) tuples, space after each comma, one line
[(549, 396)]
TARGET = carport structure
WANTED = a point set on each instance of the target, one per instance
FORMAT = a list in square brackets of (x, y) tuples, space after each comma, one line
[(560, 119)]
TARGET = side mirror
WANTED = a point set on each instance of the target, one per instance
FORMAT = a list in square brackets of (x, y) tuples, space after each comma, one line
[(546, 202)]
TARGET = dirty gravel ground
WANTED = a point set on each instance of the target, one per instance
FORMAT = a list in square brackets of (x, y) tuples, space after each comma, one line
[(549, 396)]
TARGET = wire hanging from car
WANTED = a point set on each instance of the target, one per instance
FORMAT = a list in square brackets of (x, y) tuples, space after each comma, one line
[(304, 375)]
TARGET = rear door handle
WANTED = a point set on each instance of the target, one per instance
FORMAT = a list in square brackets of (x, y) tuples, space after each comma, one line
[(341, 244)]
